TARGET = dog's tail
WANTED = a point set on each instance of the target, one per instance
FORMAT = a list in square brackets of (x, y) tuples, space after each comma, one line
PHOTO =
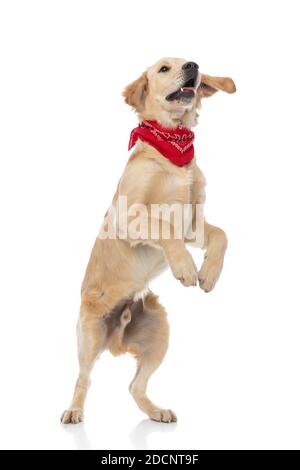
[(115, 343)]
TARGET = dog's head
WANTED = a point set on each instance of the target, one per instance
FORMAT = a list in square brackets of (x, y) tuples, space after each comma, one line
[(171, 90)]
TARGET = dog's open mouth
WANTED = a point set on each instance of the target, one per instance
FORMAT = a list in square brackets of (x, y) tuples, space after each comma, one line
[(186, 91)]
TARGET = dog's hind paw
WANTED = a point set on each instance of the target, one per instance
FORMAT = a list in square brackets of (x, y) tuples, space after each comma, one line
[(74, 416), (163, 416)]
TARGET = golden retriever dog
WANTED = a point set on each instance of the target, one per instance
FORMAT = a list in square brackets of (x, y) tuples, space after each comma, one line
[(118, 312)]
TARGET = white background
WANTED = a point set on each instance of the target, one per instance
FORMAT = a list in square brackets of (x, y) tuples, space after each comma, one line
[(232, 370)]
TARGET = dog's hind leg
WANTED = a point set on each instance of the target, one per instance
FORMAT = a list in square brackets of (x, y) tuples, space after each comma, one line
[(147, 337), (91, 335), (146, 367)]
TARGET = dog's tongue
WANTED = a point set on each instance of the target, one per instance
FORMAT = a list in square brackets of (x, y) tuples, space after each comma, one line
[(188, 89)]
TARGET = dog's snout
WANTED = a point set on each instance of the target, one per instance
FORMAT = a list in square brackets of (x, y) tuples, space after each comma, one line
[(190, 65)]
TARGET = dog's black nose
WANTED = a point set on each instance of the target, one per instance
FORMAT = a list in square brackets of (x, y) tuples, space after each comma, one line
[(190, 65)]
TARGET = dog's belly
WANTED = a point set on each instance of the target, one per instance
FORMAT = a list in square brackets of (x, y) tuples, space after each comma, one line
[(151, 262)]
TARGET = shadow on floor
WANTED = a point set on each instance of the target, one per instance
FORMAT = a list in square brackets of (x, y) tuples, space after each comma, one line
[(139, 435)]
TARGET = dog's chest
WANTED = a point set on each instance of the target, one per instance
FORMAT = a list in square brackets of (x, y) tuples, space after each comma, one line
[(180, 185)]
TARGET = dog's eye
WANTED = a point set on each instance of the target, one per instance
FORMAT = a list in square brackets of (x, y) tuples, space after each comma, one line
[(164, 68)]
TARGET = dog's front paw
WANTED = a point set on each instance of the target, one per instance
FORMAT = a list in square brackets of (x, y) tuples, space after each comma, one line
[(209, 274), (185, 270), (73, 416)]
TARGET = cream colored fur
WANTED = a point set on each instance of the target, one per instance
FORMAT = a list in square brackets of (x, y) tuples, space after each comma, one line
[(111, 317)]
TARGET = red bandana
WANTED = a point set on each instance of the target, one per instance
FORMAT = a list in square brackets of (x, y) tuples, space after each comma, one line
[(174, 144)]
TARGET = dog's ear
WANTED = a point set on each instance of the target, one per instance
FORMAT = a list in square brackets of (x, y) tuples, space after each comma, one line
[(135, 93), (210, 85)]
